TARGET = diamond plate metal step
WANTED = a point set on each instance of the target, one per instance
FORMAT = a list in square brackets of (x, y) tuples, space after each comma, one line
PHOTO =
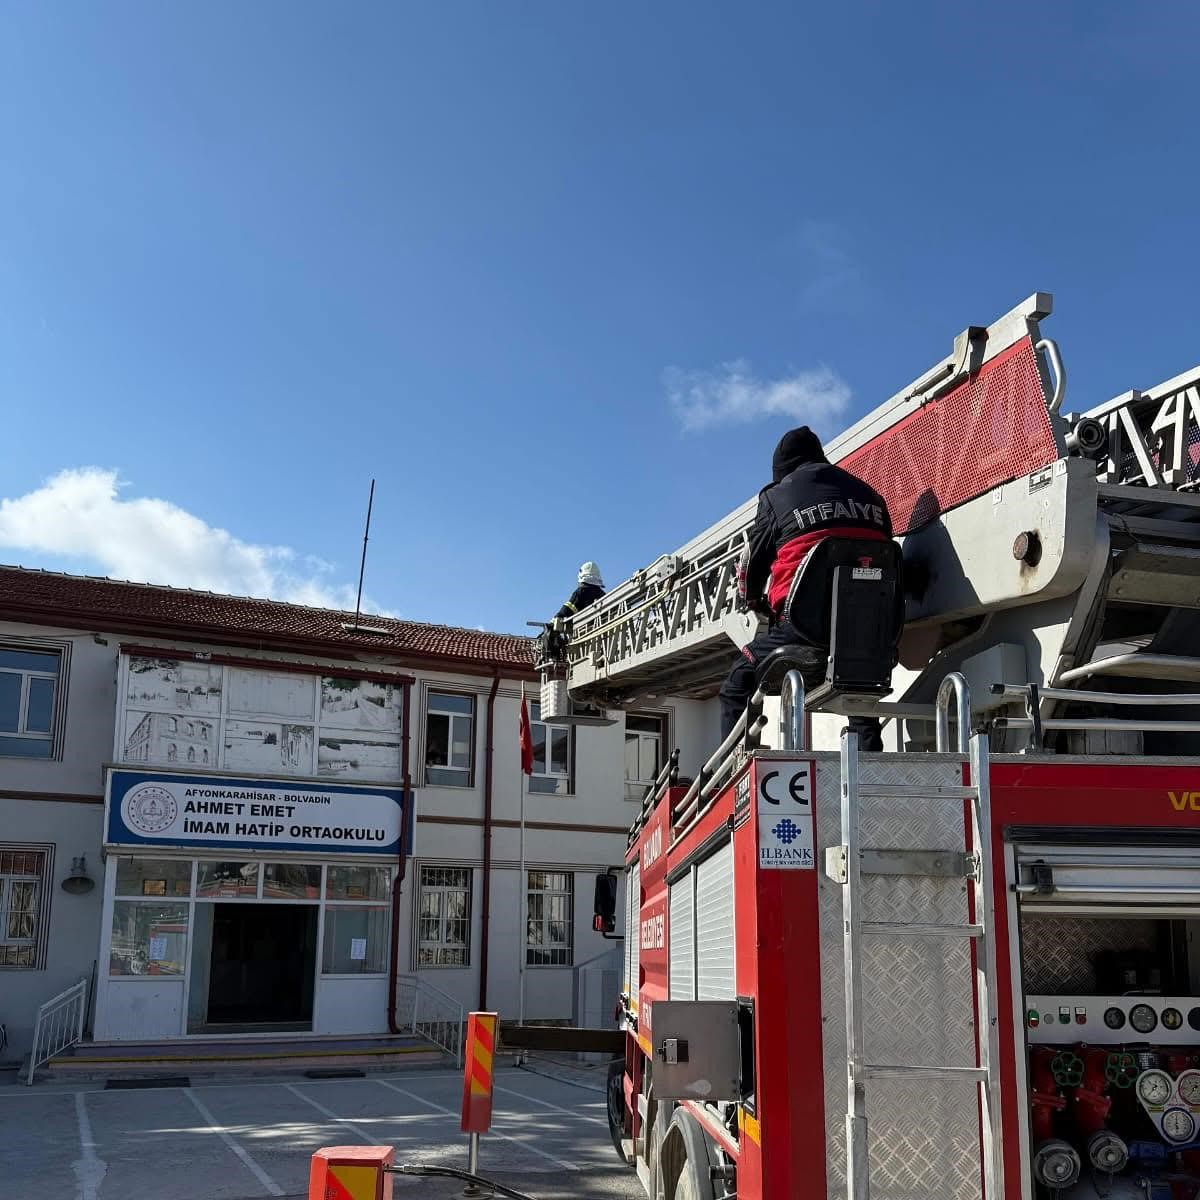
[(942, 868)]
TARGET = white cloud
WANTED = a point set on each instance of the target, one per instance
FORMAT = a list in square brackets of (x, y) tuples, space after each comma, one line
[(79, 514), (732, 394)]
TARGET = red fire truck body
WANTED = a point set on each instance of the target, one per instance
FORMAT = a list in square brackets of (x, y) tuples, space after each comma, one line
[(785, 1136)]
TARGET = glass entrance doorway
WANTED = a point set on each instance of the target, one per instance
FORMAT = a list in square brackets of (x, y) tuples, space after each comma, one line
[(253, 968)]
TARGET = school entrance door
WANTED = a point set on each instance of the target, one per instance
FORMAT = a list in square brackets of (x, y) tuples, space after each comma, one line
[(253, 968)]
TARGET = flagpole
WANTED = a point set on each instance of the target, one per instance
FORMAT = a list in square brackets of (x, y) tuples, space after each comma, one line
[(523, 893)]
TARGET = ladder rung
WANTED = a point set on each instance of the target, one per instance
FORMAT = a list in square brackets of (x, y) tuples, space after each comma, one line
[(907, 791), (920, 929), (974, 1074)]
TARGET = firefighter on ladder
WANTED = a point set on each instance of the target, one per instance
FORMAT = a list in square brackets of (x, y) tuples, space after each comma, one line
[(590, 588), (807, 501)]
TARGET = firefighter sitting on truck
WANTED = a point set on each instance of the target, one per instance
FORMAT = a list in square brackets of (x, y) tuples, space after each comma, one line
[(807, 501)]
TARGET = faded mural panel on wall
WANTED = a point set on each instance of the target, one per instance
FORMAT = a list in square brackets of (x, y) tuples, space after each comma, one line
[(250, 720)]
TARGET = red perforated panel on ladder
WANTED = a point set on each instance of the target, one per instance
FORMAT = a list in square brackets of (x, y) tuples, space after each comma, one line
[(984, 431)]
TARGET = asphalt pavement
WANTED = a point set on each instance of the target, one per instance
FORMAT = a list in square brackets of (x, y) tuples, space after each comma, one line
[(242, 1140)]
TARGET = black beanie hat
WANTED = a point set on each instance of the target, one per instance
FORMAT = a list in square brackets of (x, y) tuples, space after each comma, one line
[(796, 447)]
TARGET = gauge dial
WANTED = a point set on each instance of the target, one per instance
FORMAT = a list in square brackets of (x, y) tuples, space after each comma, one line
[(1143, 1018), (1194, 1017), (1178, 1125), (1172, 1018), (1154, 1088), (1189, 1088), (1114, 1018)]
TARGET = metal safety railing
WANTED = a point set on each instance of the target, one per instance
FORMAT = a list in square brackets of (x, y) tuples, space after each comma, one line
[(59, 1025), (655, 791), (954, 686), (1033, 694), (709, 781), (428, 1012)]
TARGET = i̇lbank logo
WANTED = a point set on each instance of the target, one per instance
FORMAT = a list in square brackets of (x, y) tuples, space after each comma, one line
[(1185, 801)]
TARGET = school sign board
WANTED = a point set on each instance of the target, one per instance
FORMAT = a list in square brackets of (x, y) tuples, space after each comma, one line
[(166, 809)]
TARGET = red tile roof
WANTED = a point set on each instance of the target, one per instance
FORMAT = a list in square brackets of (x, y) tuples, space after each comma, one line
[(51, 598)]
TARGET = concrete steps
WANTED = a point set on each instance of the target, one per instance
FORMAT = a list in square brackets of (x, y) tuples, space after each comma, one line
[(93, 1062)]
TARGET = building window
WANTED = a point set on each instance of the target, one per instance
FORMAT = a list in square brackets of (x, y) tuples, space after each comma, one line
[(148, 938), (444, 917), (551, 755), (358, 883), (449, 739), (23, 875), (356, 940), (644, 738), (28, 681), (549, 917)]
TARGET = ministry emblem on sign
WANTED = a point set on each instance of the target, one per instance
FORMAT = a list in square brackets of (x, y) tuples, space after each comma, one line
[(150, 809)]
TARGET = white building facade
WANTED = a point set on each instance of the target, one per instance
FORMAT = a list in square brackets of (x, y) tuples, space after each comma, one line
[(283, 813)]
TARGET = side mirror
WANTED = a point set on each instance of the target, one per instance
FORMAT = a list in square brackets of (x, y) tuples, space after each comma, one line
[(605, 908)]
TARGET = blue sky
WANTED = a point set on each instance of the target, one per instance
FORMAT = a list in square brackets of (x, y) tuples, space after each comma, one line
[(253, 255)]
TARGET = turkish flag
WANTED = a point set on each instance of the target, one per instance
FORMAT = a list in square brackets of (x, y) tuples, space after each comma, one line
[(526, 740)]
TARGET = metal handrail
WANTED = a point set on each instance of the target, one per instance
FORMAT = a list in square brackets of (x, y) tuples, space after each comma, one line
[(955, 683), (655, 792), (455, 1020), (1155, 700), (712, 768), (791, 712), (59, 1024), (1050, 347), (1098, 723)]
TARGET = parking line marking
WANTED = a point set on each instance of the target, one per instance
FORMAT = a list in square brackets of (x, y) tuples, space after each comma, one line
[(362, 1133), (89, 1168), (227, 1082), (555, 1107), (273, 1189), (494, 1132)]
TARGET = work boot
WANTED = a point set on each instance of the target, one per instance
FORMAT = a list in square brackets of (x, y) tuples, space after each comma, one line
[(870, 736)]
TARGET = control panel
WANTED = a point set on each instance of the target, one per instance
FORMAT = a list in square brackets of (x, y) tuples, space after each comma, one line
[(1108, 1020)]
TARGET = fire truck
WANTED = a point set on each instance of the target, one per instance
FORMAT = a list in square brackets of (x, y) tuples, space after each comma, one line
[(966, 966)]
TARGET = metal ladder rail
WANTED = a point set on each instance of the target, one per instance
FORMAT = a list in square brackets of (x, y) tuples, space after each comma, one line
[(982, 929)]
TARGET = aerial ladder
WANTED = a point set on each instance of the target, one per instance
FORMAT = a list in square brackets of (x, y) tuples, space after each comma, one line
[(1041, 547), (960, 969)]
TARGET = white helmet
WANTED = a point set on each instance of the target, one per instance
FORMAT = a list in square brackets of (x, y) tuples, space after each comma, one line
[(590, 573)]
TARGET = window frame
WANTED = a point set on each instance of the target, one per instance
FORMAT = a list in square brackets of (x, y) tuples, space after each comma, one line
[(569, 774), (43, 894), (54, 738), (429, 692), (635, 789), (443, 889), (547, 945)]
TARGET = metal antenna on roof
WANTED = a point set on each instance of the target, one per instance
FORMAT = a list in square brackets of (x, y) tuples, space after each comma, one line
[(362, 567)]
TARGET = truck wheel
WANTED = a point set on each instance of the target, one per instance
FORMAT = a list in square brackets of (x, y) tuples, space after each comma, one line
[(693, 1152), (658, 1180), (615, 1097)]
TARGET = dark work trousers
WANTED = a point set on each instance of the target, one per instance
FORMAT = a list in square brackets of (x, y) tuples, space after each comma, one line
[(739, 687)]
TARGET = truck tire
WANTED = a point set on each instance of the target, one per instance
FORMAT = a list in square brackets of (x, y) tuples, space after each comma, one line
[(614, 1094), (658, 1182), (687, 1140)]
